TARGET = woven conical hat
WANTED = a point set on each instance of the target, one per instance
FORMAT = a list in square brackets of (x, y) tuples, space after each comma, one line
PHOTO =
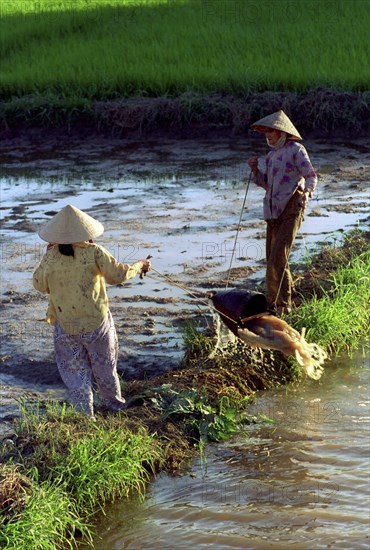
[(278, 121), (69, 226)]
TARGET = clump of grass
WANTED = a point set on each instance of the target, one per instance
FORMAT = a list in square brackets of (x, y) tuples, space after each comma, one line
[(49, 520), (196, 341), (51, 110), (75, 467), (339, 317), (318, 268), (14, 488), (105, 465)]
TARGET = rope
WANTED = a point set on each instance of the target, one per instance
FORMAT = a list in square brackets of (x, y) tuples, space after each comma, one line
[(182, 287), (191, 293), (237, 232), (280, 284)]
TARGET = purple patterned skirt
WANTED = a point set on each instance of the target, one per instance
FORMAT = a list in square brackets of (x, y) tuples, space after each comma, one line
[(82, 357)]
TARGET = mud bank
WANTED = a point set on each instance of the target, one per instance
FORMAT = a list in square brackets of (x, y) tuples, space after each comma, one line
[(321, 112)]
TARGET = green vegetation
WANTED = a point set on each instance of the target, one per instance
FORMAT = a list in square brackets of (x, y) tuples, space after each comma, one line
[(336, 312), (60, 468), (44, 519), (136, 66), (63, 468), (209, 422), (122, 48)]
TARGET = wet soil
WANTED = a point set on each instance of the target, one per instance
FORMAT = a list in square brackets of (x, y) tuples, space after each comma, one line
[(179, 201)]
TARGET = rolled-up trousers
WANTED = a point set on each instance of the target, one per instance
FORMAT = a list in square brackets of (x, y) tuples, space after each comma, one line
[(80, 357), (279, 241)]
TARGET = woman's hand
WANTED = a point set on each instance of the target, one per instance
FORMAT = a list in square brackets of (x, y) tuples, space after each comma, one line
[(145, 266), (253, 163), (303, 199)]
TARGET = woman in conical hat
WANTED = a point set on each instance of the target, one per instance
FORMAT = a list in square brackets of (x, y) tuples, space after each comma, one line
[(289, 180), (74, 272)]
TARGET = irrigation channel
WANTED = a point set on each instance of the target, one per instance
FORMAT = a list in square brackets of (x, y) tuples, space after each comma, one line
[(299, 476)]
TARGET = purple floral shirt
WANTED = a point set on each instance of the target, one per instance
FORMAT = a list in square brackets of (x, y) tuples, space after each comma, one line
[(286, 169)]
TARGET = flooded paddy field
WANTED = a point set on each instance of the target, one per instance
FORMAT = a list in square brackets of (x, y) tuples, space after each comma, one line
[(179, 201), (297, 477)]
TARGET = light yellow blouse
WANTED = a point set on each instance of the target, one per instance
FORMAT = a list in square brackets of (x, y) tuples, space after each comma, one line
[(78, 297)]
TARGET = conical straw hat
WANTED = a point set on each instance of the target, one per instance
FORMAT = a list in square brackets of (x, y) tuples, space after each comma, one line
[(69, 226), (277, 121)]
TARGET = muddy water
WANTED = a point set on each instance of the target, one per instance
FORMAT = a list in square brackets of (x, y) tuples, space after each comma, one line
[(181, 202), (297, 478)]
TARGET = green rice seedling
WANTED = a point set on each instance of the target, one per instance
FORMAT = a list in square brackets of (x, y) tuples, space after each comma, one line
[(112, 48)]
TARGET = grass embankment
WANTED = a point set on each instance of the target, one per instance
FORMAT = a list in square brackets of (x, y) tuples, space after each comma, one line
[(59, 468), (202, 61), (63, 469), (335, 296)]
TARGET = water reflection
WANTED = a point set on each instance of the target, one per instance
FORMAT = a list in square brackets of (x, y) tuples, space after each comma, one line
[(299, 478)]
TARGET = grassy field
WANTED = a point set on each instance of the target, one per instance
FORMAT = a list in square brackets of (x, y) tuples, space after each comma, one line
[(122, 48)]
